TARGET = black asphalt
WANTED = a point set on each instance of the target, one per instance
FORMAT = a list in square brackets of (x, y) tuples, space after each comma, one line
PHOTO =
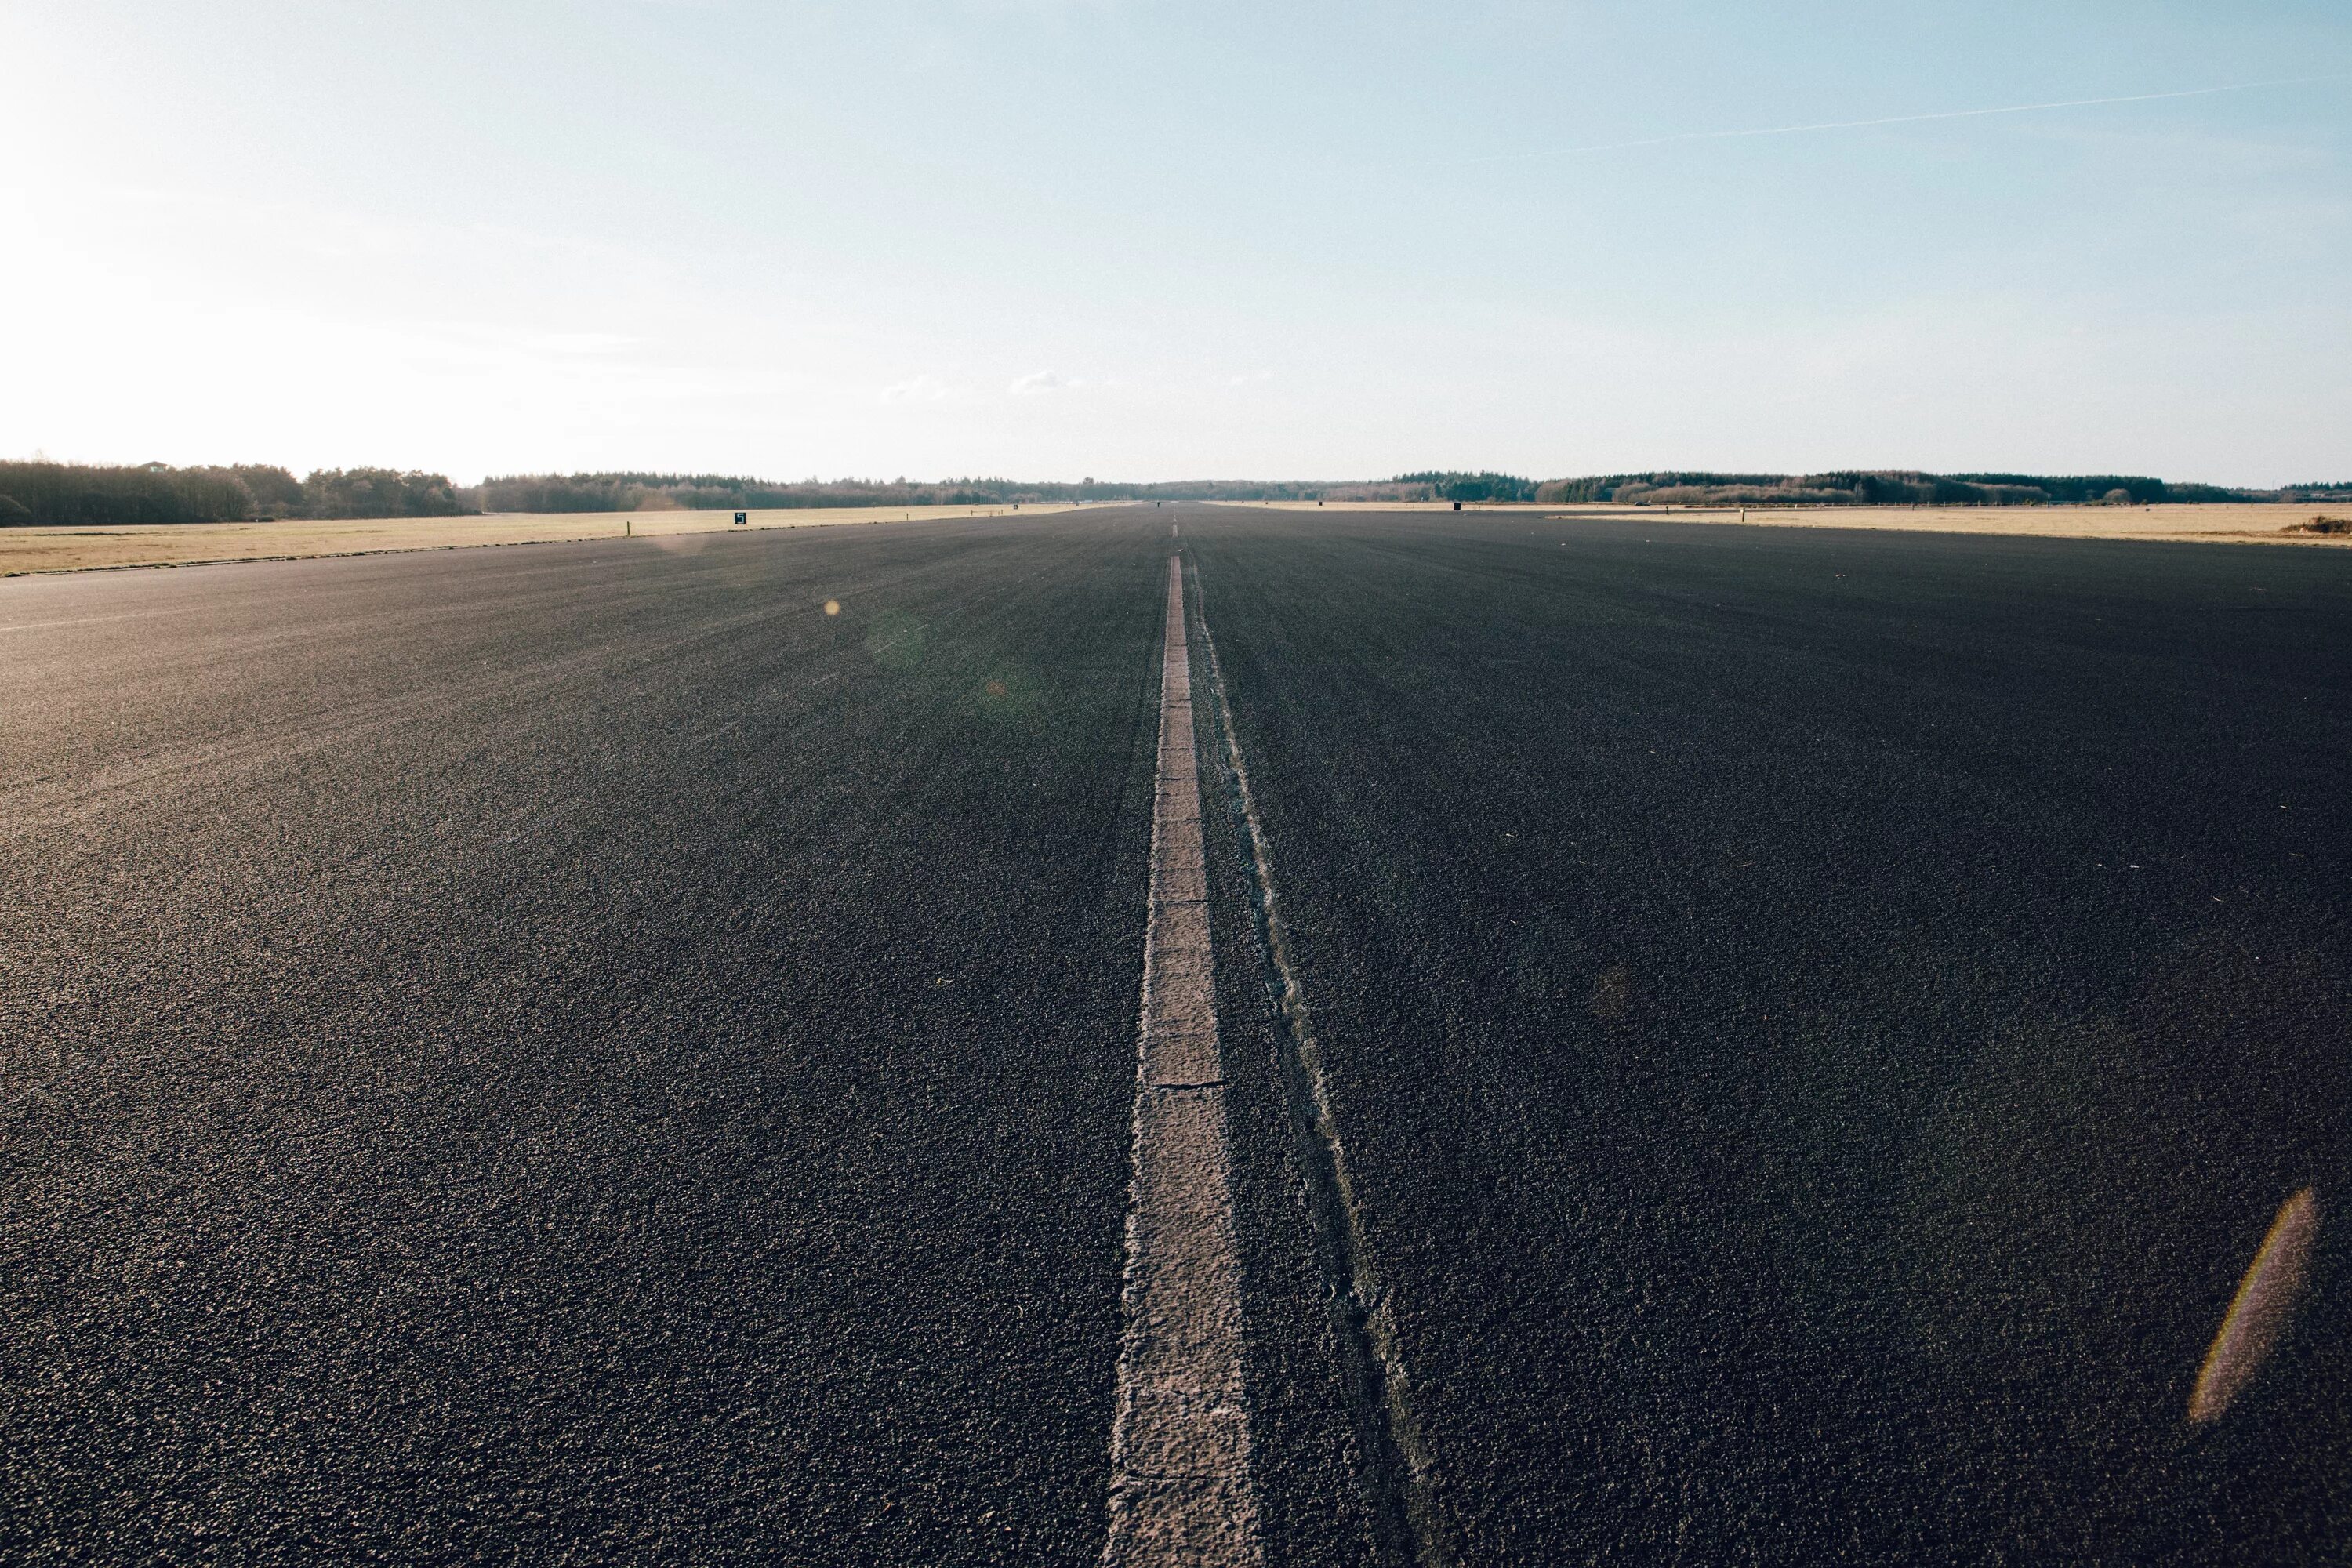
[(574, 1054), (1821, 1019)]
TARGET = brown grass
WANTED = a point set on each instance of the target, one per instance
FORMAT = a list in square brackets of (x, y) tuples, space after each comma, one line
[(2268, 522), (26, 550), (2252, 523)]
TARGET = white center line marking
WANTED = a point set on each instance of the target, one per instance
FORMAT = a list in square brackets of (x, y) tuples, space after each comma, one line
[(1180, 1449)]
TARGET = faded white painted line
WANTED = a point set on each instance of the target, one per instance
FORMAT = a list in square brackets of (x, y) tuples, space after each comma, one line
[(1395, 1463), (1180, 1451)]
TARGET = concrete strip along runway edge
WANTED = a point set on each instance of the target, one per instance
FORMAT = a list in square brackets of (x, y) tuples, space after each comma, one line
[(1395, 1468), (1180, 1489)]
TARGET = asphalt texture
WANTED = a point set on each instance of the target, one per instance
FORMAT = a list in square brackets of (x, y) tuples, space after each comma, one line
[(575, 1054), (1821, 1020), (572, 1052)]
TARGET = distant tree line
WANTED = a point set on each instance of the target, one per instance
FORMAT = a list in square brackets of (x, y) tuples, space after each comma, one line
[(729, 492), (68, 493), (62, 494), (1884, 488), (652, 492), (1479, 486)]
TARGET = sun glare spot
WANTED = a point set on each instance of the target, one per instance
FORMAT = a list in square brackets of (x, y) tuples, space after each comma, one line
[(2259, 1312)]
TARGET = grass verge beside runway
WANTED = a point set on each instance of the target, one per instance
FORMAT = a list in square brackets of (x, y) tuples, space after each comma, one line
[(2263, 522), (32, 550)]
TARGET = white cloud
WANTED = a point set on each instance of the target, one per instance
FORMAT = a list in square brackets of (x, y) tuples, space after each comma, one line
[(917, 389), (1036, 383)]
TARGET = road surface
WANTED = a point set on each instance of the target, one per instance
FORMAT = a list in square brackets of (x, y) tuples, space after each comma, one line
[(1737, 1044)]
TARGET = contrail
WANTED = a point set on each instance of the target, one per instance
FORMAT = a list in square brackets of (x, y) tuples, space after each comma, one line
[(1865, 124)]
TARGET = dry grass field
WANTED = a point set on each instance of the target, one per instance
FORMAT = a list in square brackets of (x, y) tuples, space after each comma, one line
[(2253, 524), (2267, 522), (23, 550)]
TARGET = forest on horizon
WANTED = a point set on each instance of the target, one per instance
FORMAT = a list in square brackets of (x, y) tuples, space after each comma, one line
[(39, 493)]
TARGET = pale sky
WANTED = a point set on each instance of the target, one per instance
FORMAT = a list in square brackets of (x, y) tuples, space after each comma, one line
[(1135, 239)]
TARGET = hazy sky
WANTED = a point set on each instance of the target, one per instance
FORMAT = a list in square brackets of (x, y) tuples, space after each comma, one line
[(1152, 240)]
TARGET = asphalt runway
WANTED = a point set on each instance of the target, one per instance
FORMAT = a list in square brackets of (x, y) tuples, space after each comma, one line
[(576, 1054), (572, 1052), (1821, 1020)]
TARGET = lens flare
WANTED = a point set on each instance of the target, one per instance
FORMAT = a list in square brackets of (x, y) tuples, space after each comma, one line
[(2266, 1300)]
